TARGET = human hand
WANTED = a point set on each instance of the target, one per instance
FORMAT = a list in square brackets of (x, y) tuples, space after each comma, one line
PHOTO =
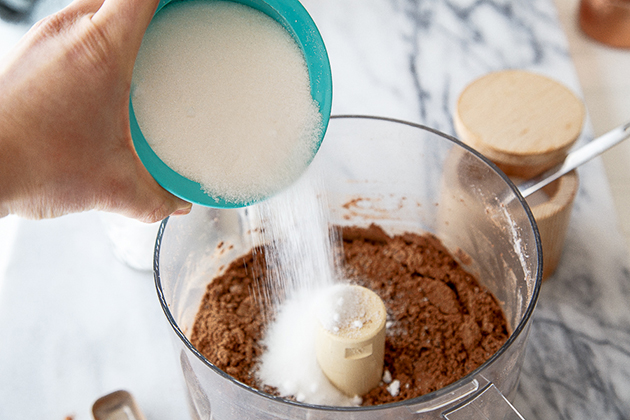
[(65, 144)]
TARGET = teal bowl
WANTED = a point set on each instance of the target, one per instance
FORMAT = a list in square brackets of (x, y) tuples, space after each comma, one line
[(296, 20)]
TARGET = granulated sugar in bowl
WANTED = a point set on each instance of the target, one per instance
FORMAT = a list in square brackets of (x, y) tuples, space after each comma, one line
[(230, 100)]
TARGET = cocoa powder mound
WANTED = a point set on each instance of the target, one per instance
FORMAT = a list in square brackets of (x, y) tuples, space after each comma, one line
[(229, 324), (442, 323)]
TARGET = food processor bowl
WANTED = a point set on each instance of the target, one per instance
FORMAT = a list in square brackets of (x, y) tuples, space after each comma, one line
[(403, 177)]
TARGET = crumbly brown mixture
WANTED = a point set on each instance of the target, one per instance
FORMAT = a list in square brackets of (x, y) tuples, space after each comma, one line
[(230, 324), (444, 324)]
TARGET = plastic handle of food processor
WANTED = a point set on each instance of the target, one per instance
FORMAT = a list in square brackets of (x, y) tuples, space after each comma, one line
[(488, 404)]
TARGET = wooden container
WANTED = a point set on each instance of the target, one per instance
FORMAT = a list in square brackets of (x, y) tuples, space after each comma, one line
[(526, 123), (606, 21)]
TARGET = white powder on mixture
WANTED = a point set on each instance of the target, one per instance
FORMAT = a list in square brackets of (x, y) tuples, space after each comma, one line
[(344, 308), (394, 388), (221, 92), (387, 376), (290, 363)]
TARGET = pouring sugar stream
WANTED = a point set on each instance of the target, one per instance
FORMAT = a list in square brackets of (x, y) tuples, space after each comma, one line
[(325, 343)]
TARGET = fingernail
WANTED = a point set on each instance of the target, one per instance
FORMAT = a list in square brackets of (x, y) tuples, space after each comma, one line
[(182, 212)]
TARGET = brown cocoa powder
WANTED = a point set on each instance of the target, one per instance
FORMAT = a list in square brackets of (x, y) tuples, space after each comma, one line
[(442, 323)]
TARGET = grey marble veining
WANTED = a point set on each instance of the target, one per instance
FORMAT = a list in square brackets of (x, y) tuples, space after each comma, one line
[(405, 59), (578, 361), (411, 59)]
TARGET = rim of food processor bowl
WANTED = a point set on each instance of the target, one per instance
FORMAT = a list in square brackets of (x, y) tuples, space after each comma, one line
[(298, 23), (412, 401)]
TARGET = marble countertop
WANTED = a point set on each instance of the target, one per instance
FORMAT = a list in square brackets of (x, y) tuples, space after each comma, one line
[(77, 323)]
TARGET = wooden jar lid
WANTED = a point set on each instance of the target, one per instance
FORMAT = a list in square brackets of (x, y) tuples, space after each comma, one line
[(524, 122)]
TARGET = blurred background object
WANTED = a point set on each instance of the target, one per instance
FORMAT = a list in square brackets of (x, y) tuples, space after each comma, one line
[(11, 10), (607, 21)]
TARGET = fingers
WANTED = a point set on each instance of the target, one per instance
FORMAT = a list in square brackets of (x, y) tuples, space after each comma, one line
[(58, 22), (122, 185), (155, 203), (154, 211), (82, 7), (125, 20), (173, 207)]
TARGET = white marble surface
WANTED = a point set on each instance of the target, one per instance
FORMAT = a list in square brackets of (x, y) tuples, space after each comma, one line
[(76, 323)]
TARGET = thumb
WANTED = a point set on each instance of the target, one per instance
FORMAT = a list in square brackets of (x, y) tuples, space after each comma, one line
[(126, 21), (155, 210), (152, 203)]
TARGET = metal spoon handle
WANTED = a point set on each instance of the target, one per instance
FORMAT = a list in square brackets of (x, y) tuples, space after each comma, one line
[(576, 158)]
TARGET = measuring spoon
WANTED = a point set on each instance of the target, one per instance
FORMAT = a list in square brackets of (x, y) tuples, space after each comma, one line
[(576, 158)]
